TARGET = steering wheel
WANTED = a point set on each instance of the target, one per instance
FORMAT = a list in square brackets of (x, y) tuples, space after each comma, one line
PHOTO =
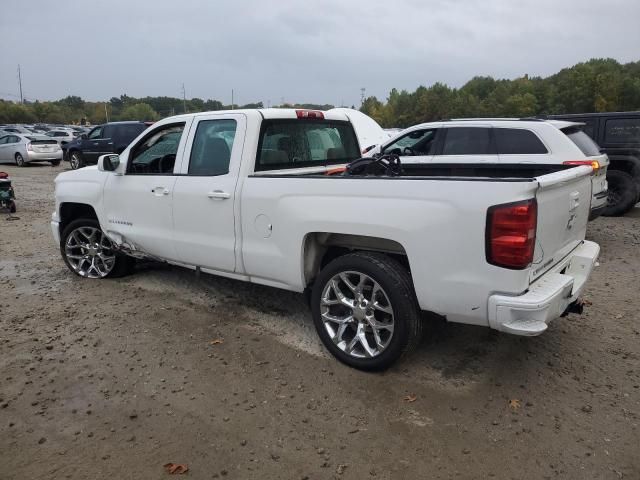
[(409, 151), (167, 162)]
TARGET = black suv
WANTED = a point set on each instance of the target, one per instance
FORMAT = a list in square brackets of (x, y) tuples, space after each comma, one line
[(618, 135), (111, 137)]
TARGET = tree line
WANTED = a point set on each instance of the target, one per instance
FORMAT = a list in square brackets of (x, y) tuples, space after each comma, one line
[(598, 85)]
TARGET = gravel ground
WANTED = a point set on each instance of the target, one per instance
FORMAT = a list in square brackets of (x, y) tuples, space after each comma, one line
[(115, 378)]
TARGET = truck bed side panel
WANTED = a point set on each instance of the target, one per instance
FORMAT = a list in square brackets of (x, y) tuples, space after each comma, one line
[(439, 223)]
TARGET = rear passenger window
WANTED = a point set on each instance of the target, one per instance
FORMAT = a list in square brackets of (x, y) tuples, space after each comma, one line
[(622, 130), (467, 141), (513, 141), (211, 150), (586, 145), (305, 143)]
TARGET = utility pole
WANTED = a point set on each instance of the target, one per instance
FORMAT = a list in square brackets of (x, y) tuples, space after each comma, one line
[(363, 95), (184, 98), (232, 99), (106, 113), (20, 84)]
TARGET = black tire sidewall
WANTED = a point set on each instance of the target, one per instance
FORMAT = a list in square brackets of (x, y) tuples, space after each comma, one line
[(628, 191), (18, 163), (402, 300)]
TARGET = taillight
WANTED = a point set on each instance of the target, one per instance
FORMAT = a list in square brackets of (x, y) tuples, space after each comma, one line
[(511, 234), (309, 114), (29, 147), (594, 164)]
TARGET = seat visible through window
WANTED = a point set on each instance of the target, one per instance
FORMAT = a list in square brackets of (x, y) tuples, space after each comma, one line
[(211, 151)]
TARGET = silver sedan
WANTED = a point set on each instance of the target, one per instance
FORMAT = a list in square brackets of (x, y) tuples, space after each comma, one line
[(22, 149)]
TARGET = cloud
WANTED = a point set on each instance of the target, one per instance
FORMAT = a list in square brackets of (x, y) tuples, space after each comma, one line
[(316, 50)]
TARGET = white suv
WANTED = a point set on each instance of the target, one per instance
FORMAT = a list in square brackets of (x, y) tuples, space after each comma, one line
[(503, 141)]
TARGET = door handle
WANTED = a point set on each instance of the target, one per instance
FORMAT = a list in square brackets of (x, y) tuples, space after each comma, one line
[(160, 191), (219, 194)]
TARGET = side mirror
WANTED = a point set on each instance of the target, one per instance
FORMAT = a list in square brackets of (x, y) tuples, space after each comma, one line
[(109, 162)]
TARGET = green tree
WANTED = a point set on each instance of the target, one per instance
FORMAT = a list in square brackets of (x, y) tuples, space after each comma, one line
[(138, 111)]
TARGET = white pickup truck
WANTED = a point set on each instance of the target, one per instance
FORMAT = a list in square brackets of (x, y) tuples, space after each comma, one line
[(254, 195)]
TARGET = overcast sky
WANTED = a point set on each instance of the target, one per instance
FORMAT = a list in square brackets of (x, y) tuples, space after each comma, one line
[(320, 51)]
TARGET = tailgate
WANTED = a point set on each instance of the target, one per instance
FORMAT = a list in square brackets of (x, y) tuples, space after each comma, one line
[(564, 203)]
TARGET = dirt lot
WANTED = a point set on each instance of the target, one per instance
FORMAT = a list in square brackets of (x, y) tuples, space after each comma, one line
[(114, 378)]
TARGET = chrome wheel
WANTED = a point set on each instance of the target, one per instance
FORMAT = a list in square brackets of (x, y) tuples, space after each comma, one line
[(19, 160), (74, 160), (357, 314), (89, 252)]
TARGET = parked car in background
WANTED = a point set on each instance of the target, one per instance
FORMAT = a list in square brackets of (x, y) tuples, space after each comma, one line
[(16, 129), (618, 135), (62, 136), (368, 131), (254, 195), (23, 149), (503, 141), (111, 137)]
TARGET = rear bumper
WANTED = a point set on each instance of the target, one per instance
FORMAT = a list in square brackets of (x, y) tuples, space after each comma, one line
[(547, 298), (44, 157), (597, 211)]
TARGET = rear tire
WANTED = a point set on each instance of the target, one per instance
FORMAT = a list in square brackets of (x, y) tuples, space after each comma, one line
[(79, 255), (19, 160), (75, 160), (369, 315), (12, 207), (623, 193)]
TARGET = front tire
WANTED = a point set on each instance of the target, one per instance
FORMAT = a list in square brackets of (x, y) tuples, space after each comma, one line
[(89, 253), (365, 310), (20, 160), (75, 160), (623, 193)]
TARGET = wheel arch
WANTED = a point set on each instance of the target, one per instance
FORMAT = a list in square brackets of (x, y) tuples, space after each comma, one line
[(70, 211), (320, 248), (626, 163)]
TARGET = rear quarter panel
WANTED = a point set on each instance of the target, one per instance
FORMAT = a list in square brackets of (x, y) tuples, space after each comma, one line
[(440, 224)]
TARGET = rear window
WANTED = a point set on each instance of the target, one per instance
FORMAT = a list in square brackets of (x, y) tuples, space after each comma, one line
[(622, 130), (513, 141), (126, 133), (467, 141), (305, 143), (586, 145)]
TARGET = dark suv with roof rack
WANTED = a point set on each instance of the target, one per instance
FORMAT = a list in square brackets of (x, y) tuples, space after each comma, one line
[(111, 137), (618, 134)]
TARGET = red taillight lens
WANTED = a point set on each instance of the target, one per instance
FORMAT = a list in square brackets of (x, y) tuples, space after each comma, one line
[(594, 164), (309, 114), (511, 234)]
